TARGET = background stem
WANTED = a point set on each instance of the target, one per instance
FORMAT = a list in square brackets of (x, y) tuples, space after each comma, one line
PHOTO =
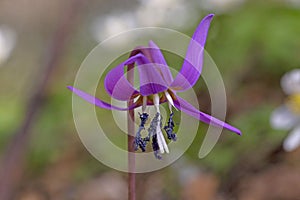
[(13, 161), (131, 156)]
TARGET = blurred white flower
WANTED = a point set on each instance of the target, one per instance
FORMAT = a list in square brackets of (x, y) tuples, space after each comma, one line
[(294, 3), (166, 13), (7, 42), (113, 24), (287, 116), (175, 13), (220, 5), (290, 82)]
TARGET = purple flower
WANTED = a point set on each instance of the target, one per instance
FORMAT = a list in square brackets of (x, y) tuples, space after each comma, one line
[(158, 86)]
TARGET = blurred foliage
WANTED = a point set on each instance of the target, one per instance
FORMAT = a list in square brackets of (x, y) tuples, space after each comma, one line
[(261, 35), (258, 136), (49, 133), (10, 115)]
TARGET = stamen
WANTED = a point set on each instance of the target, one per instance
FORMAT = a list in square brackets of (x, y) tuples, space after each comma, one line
[(159, 144), (152, 133), (170, 101), (153, 130), (169, 128), (163, 147), (160, 134), (155, 147), (140, 142)]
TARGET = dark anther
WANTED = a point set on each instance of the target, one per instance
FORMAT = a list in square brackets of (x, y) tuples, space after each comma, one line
[(155, 147), (140, 142), (143, 117), (152, 134), (157, 155), (169, 128), (153, 125)]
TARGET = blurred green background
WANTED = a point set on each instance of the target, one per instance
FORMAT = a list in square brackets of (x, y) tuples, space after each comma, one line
[(252, 42)]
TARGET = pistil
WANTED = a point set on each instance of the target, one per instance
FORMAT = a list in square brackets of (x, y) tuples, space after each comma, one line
[(163, 147)]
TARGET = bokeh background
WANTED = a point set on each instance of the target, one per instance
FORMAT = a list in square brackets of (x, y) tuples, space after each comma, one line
[(42, 45)]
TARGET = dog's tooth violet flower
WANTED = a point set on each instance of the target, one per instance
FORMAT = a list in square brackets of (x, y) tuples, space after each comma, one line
[(287, 116), (157, 86)]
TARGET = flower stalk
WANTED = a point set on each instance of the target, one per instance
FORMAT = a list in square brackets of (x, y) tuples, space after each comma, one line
[(131, 141)]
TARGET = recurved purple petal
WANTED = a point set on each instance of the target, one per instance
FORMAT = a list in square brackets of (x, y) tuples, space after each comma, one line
[(158, 58), (116, 83), (192, 65), (99, 103), (151, 81), (189, 109)]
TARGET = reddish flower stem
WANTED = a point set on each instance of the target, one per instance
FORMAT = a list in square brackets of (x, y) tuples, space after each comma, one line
[(131, 156)]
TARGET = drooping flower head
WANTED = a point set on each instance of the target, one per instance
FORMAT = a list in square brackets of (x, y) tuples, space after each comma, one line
[(287, 116), (157, 86)]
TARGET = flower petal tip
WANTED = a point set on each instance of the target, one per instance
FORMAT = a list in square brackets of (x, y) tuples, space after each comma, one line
[(208, 18), (235, 130), (211, 15), (70, 88), (150, 42)]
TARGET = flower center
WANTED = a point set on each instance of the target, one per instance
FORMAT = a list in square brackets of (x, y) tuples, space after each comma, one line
[(293, 102), (155, 134)]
